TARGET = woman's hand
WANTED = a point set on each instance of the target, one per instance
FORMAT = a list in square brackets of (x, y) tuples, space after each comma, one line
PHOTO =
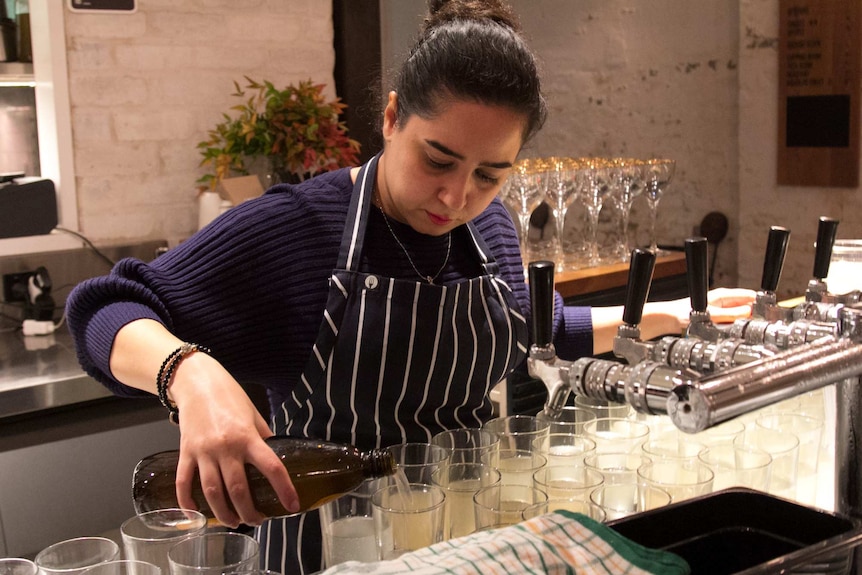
[(221, 432), (727, 305), (221, 429)]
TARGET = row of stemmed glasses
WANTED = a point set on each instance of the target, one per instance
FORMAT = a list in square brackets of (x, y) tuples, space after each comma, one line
[(561, 181)]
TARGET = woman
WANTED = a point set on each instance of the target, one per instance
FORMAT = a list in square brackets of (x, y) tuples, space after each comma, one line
[(377, 305)]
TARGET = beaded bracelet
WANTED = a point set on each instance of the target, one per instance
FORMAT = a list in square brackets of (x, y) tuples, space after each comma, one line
[(166, 373)]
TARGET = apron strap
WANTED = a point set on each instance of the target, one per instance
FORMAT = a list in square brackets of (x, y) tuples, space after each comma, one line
[(357, 217), (489, 264)]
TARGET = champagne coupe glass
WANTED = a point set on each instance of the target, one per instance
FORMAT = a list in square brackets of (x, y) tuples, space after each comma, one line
[(657, 175), (626, 175), (594, 188), (523, 192), (561, 193)]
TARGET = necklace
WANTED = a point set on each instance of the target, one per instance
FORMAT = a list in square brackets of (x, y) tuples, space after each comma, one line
[(429, 279)]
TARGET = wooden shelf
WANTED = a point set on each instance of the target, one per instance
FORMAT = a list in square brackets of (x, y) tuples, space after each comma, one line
[(601, 278)]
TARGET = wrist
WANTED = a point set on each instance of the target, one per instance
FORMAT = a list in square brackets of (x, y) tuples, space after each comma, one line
[(167, 374)]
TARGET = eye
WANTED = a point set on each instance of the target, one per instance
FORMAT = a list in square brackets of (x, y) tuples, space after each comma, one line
[(487, 178), (438, 165)]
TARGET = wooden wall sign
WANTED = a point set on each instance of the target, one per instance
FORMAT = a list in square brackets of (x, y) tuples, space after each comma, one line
[(818, 92)]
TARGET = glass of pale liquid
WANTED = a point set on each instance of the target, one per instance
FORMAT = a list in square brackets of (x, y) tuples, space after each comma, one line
[(214, 554), (500, 505), (72, 556), (623, 499), (461, 481), (347, 525), (406, 520)]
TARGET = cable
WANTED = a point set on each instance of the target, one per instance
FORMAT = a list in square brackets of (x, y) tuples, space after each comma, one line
[(89, 244)]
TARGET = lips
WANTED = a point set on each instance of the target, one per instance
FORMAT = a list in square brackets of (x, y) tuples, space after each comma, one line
[(438, 219)]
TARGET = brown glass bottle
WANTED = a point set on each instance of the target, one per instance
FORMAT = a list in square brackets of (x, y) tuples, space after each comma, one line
[(321, 471)]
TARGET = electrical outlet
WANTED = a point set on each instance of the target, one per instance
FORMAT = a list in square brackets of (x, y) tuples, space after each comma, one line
[(15, 286)]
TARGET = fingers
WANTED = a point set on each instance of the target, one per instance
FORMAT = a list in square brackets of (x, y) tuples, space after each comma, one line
[(729, 314), (270, 466)]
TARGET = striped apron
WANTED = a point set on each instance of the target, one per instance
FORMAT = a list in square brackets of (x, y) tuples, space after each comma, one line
[(395, 361)]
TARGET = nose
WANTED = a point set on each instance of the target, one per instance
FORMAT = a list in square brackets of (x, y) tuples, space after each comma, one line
[(453, 192)]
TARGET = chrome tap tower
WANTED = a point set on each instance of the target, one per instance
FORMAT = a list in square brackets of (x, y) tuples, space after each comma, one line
[(710, 375)]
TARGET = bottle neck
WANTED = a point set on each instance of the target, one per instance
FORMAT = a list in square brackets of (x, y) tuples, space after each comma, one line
[(378, 462)]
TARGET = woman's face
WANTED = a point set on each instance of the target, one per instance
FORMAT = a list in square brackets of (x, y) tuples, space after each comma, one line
[(439, 173)]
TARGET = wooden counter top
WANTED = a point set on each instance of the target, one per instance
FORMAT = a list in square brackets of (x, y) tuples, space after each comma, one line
[(588, 280)]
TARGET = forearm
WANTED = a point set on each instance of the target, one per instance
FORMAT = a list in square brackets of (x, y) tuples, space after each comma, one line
[(139, 349), (659, 318)]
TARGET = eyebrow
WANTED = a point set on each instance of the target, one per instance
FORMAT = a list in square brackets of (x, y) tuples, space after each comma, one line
[(443, 149)]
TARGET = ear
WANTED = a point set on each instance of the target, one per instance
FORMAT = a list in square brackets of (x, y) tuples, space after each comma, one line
[(390, 116)]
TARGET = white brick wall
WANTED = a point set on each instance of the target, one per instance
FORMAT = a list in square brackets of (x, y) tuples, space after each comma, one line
[(146, 87)]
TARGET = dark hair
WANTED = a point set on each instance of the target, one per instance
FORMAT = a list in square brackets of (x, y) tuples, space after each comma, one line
[(471, 49)]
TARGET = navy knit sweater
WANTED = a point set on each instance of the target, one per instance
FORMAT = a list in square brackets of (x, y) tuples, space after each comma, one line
[(252, 285)]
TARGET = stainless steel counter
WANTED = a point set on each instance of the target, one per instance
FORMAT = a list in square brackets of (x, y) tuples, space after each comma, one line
[(41, 372)]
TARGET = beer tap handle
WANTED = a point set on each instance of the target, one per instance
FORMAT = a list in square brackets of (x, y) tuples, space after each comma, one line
[(827, 229), (776, 248), (696, 273), (541, 276), (641, 269)]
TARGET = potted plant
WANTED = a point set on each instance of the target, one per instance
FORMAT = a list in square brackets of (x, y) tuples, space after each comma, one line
[(295, 129)]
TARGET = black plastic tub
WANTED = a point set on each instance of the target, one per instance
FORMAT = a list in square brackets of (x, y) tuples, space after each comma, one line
[(742, 531)]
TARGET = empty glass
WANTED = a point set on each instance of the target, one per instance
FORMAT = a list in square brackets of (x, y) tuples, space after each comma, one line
[(657, 175), (72, 556), (517, 431), (124, 568), (673, 446), (214, 554), (784, 449), (406, 522), (149, 536), (17, 566), (809, 431), (602, 408), (626, 179), (623, 499), (418, 460), (560, 193), (522, 193), (681, 478), (468, 445), (738, 465), (570, 419)]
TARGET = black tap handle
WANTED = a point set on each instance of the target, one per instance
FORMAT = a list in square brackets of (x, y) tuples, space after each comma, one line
[(827, 229), (776, 248), (696, 272), (641, 267), (541, 274)]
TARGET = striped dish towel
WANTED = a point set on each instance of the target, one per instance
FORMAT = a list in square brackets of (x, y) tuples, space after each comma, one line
[(559, 542)]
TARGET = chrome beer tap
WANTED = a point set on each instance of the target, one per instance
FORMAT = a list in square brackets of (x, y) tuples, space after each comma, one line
[(820, 304), (700, 323), (627, 343), (765, 302)]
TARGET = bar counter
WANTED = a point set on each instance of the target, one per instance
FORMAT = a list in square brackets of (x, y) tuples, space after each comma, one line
[(575, 283)]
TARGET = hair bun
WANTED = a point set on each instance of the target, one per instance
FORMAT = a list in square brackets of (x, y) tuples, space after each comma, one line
[(442, 11)]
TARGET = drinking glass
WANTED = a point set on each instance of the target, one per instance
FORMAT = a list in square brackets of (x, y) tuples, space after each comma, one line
[(560, 193), (127, 567), (601, 407), (570, 419), (809, 431), (499, 505), (593, 187), (617, 467), (461, 481), (587, 508), (517, 431), (673, 446), (681, 478), (626, 177), (564, 448), (737, 465), (522, 193), (214, 553), (17, 566), (148, 536), (72, 556), (657, 175), (623, 499), (468, 445), (783, 447), (517, 466), (615, 434), (721, 434), (573, 482), (418, 460), (407, 521), (347, 526)]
